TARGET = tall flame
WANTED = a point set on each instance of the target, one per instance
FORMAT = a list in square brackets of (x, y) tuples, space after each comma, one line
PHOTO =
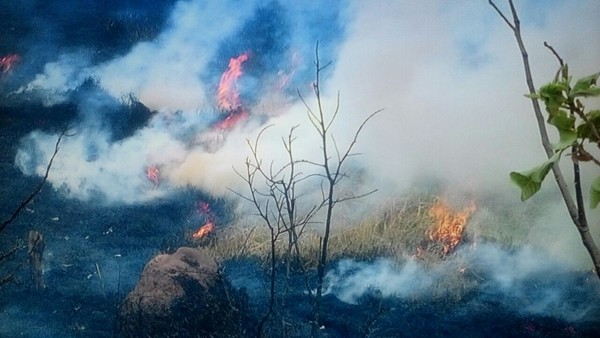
[(8, 62), (228, 96), (450, 224)]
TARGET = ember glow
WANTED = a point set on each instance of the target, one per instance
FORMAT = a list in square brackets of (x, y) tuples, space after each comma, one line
[(204, 208), (449, 224), (8, 62), (153, 175)]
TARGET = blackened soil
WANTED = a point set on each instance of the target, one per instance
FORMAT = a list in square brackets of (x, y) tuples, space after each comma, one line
[(95, 253)]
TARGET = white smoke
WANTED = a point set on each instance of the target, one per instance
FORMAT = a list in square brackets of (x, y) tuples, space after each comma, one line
[(167, 75), (450, 77), (351, 280), (59, 78), (525, 280)]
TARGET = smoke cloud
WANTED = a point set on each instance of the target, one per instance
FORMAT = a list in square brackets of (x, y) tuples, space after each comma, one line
[(450, 78), (175, 75)]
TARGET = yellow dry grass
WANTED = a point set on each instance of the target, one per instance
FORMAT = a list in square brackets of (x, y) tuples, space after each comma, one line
[(395, 231)]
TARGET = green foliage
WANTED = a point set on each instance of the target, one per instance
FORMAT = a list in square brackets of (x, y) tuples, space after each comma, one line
[(576, 129), (565, 125), (595, 193), (530, 181), (584, 131), (586, 87)]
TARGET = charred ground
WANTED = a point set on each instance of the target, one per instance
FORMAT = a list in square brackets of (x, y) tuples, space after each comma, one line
[(95, 253)]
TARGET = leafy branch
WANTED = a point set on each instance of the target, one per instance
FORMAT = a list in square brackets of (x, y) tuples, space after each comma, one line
[(577, 129)]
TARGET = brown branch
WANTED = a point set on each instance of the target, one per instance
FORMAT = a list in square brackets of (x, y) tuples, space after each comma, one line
[(541, 122), (6, 279), (587, 155)]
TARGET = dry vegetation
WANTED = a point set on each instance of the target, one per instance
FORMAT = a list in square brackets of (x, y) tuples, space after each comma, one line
[(397, 231)]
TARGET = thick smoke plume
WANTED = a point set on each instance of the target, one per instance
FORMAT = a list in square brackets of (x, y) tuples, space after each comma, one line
[(175, 75)]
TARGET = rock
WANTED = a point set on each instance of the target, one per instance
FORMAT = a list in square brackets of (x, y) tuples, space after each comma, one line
[(181, 295)]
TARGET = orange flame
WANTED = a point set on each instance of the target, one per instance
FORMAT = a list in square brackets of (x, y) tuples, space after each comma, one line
[(8, 62), (450, 224), (228, 96), (232, 119), (153, 174), (204, 230)]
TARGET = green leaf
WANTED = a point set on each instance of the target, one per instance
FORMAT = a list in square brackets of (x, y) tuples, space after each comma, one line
[(585, 130), (562, 120), (530, 181), (595, 193), (566, 139), (566, 130), (553, 96), (528, 186), (593, 114), (586, 86), (533, 96), (586, 82), (590, 92)]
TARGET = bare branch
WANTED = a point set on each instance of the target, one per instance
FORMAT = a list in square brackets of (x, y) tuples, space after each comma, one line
[(26, 201), (560, 60), (335, 112), (355, 197), (356, 134), (501, 15)]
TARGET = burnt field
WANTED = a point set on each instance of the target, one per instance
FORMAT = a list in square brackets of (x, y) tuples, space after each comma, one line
[(193, 144), (94, 255)]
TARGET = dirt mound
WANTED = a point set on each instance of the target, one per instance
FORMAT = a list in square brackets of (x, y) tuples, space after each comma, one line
[(180, 295)]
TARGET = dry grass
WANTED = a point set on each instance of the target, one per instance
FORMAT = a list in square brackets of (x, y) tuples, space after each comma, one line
[(395, 231), (399, 231)]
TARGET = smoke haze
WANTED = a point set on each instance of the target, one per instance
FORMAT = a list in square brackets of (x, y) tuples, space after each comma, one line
[(448, 75), (508, 276)]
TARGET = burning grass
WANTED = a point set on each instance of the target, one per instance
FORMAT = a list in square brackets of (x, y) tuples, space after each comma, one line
[(400, 229), (415, 229)]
